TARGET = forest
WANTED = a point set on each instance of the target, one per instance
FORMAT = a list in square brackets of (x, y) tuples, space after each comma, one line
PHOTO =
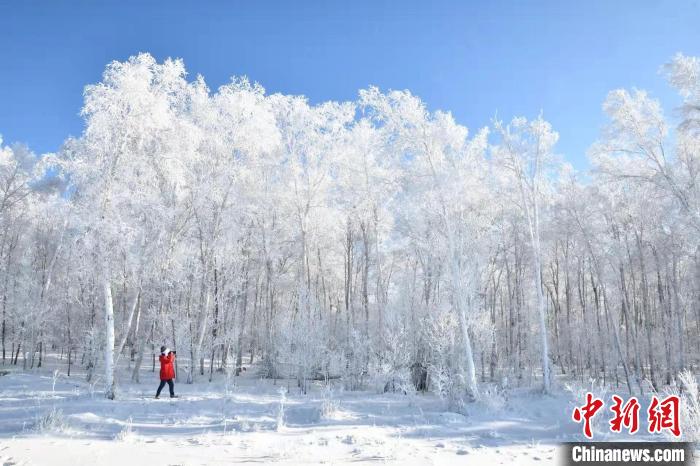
[(373, 242)]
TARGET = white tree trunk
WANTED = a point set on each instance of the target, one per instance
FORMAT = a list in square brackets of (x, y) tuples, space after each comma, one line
[(200, 340), (472, 387), (542, 318), (142, 341), (459, 289), (135, 305), (109, 339), (533, 221), (462, 303)]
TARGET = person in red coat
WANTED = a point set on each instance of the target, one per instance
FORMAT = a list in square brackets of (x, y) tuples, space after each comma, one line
[(167, 371)]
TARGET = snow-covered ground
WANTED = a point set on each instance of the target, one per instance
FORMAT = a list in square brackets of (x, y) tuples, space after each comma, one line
[(53, 419)]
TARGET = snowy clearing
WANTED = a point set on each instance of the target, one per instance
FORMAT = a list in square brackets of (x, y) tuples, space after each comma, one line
[(66, 421), (72, 423)]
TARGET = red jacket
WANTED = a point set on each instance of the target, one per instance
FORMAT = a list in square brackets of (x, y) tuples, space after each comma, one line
[(167, 370)]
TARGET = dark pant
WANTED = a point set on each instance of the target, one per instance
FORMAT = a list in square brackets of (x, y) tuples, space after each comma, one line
[(171, 386)]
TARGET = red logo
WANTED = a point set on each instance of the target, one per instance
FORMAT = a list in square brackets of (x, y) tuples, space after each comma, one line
[(662, 414), (587, 412), (627, 415)]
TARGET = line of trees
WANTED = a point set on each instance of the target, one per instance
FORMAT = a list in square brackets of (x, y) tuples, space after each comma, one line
[(372, 240)]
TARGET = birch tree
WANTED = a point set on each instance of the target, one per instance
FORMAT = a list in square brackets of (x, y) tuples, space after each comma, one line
[(525, 150)]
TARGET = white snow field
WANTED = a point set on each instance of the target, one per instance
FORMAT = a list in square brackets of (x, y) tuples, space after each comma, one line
[(47, 418)]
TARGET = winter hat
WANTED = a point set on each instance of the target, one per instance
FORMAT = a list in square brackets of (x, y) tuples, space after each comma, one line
[(162, 349)]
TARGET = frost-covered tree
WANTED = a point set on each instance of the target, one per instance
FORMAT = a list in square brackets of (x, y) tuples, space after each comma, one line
[(526, 150), (371, 241)]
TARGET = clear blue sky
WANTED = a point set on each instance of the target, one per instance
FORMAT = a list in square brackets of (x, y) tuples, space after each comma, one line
[(474, 58)]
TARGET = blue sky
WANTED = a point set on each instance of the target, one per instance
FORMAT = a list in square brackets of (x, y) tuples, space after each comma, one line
[(476, 59)]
